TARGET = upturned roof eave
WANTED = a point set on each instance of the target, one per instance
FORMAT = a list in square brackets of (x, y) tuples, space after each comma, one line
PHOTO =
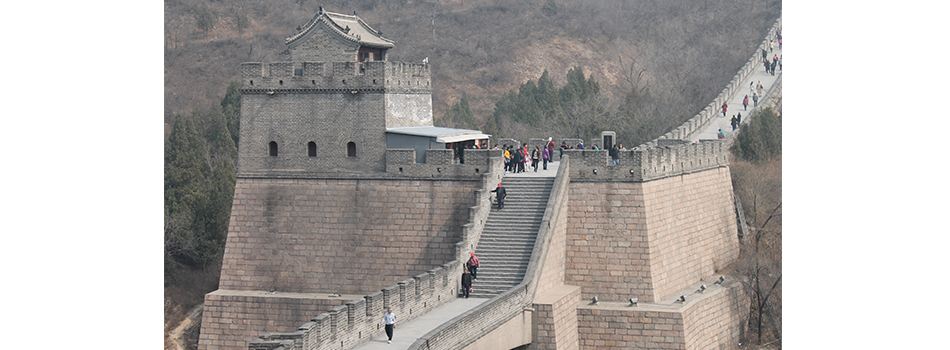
[(329, 23)]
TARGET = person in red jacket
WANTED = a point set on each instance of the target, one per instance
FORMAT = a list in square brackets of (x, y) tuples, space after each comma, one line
[(745, 103), (473, 266), (724, 107)]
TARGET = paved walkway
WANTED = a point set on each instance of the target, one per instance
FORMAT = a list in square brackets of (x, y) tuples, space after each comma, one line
[(735, 101), (529, 171), (407, 333)]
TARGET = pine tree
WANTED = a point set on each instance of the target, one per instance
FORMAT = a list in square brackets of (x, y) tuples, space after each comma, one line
[(761, 138)]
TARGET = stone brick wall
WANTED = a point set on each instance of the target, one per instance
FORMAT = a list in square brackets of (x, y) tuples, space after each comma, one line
[(691, 228), (339, 235), (350, 325), (608, 253), (630, 328), (647, 239), (668, 158), (716, 322), (330, 104), (294, 120), (554, 264), (556, 315), (259, 312), (710, 320)]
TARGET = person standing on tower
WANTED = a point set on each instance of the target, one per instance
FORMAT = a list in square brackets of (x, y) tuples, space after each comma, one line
[(546, 157), (550, 148)]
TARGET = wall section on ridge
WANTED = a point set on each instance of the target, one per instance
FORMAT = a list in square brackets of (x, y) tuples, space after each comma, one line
[(340, 235)]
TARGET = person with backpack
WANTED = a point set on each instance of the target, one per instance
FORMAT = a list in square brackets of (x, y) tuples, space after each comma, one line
[(473, 266)]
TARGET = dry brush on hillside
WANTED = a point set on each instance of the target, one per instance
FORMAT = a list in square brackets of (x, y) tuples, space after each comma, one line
[(676, 53)]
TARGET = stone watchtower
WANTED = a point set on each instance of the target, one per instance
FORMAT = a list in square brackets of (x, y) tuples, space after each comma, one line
[(325, 105)]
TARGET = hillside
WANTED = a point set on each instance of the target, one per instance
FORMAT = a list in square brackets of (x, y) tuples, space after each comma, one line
[(679, 52)]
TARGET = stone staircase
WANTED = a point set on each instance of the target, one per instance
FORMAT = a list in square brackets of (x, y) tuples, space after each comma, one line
[(509, 234)]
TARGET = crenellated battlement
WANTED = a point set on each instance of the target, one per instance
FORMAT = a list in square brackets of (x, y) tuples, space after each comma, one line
[(440, 163), (335, 77), (669, 158), (354, 323)]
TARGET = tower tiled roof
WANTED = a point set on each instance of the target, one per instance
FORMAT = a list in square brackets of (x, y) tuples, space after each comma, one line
[(348, 27)]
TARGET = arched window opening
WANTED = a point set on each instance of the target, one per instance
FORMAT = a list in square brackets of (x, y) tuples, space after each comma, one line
[(273, 149), (312, 149), (351, 149)]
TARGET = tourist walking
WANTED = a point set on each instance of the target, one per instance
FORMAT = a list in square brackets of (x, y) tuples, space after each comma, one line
[(389, 320), (466, 283), (745, 103), (500, 196), (546, 157), (724, 108), (473, 266), (732, 121), (755, 100)]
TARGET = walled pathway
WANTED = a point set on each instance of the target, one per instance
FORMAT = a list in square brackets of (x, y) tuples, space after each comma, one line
[(407, 333), (529, 171), (735, 101)]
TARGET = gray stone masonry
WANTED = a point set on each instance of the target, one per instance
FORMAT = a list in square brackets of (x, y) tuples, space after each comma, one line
[(509, 235), (670, 158), (341, 109)]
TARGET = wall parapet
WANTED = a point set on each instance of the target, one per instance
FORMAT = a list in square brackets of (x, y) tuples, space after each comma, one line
[(335, 77), (469, 326), (440, 163), (668, 158)]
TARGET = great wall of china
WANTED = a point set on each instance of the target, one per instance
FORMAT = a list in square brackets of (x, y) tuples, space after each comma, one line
[(311, 235)]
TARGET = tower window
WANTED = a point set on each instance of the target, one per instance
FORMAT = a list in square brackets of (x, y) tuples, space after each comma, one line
[(312, 149), (298, 72), (273, 148), (351, 149)]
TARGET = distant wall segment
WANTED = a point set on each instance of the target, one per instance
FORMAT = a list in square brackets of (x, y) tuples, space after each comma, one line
[(696, 124)]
